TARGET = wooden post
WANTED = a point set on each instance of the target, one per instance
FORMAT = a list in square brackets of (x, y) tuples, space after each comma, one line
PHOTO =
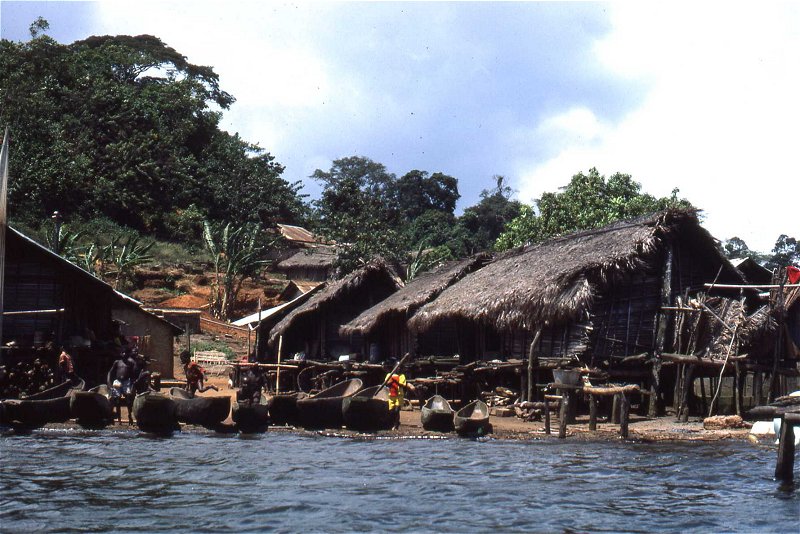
[(778, 344), (758, 381), (677, 393), (615, 410), (703, 394), (688, 376), (661, 333), (738, 389), (784, 469), (531, 362), (278, 374), (624, 413), (563, 414), (547, 416), (592, 412)]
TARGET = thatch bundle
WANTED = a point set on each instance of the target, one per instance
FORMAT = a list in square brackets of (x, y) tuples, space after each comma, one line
[(555, 281), (416, 293), (374, 271)]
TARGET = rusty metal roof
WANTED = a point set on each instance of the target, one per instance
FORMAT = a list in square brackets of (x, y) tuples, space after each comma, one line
[(297, 234)]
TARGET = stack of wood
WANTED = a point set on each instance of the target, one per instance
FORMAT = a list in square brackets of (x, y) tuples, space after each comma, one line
[(532, 411), (500, 396)]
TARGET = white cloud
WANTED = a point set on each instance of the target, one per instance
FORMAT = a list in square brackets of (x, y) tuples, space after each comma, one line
[(720, 119)]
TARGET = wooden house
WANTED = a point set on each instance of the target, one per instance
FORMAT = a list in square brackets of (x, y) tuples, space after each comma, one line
[(384, 327), (609, 298), (50, 302), (312, 264), (313, 327)]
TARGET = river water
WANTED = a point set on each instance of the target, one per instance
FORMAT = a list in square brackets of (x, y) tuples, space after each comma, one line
[(70, 480)]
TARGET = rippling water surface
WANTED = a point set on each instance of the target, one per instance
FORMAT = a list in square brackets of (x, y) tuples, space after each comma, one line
[(73, 480)]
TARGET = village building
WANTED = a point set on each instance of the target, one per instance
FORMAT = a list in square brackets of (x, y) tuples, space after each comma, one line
[(313, 327), (51, 303), (627, 300), (310, 265), (383, 328)]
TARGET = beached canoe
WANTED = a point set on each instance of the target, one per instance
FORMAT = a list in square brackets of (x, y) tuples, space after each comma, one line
[(197, 410), (91, 409), (155, 413), (437, 415), (283, 408), (251, 418), (368, 410), (30, 414), (472, 419), (324, 410), (61, 390)]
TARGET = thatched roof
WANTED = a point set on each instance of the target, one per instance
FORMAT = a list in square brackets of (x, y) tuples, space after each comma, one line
[(317, 257), (554, 281), (338, 290), (416, 293)]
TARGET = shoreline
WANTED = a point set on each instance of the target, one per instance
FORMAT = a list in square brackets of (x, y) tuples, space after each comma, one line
[(641, 430)]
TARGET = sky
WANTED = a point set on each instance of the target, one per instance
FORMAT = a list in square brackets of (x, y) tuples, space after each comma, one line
[(699, 96)]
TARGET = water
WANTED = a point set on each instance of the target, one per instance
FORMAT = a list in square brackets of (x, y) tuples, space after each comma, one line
[(70, 480)]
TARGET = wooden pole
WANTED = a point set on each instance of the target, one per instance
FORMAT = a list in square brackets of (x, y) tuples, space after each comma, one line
[(624, 414), (278, 374), (531, 362), (738, 390), (615, 410), (592, 412), (547, 417), (784, 468), (654, 409), (564, 414), (688, 377)]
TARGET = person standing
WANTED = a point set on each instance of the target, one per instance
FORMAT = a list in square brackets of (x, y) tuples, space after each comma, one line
[(66, 368), (396, 382)]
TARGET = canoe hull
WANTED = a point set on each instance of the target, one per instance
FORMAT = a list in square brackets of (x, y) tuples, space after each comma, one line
[(472, 420), (91, 409), (30, 414), (155, 413), (250, 418), (324, 410), (283, 409), (437, 415), (203, 411), (368, 411)]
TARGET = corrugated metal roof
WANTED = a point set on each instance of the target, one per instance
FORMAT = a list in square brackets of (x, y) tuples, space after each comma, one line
[(297, 234)]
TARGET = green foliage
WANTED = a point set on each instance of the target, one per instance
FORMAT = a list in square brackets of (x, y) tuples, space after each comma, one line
[(588, 201), (125, 127), (736, 248), (483, 223), (218, 346), (236, 255), (425, 259), (785, 252)]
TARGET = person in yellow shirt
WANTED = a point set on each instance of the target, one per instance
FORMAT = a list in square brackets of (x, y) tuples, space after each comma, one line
[(396, 382)]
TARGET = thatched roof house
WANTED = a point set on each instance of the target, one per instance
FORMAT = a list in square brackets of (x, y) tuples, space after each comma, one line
[(315, 264), (383, 326), (314, 326), (599, 288)]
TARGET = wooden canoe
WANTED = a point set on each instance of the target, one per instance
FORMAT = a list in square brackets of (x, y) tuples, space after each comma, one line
[(29, 414), (91, 409), (324, 410), (60, 390), (368, 410), (249, 417), (283, 408), (472, 419), (437, 415), (204, 411), (155, 413)]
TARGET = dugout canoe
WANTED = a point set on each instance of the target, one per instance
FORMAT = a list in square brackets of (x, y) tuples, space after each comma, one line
[(324, 410), (283, 408), (198, 410), (437, 415), (60, 390), (249, 417), (472, 419), (155, 413), (91, 409), (24, 414), (368, 410)]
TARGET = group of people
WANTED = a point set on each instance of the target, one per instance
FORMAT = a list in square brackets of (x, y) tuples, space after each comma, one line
[(127, 377)]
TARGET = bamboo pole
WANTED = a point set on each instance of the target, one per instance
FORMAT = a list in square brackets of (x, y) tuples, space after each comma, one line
[(721, 371), (278, 375), (531, 352)]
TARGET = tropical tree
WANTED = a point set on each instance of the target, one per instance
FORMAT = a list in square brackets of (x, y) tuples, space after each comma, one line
[(483, 223), (588, 201), (237, 255), (785, 252)]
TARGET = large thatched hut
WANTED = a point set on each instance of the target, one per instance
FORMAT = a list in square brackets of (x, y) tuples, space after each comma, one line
[(313, 327), (602, 297), (384, 327)]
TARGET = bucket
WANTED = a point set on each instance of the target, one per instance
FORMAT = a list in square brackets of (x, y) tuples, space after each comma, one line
[(571, 377)]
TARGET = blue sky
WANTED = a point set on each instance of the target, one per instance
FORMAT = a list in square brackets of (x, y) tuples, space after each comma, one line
[(699, 96)]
